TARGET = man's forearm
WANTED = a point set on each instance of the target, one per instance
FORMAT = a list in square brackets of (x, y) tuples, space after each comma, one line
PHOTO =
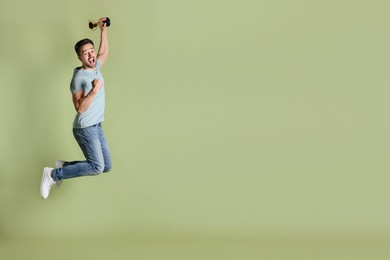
[(85, 102), (103, 47)]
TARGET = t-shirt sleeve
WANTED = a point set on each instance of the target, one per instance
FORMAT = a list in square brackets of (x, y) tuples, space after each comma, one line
[(77, 84)]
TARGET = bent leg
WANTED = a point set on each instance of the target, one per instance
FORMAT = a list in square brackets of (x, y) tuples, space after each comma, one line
[(89, 142)]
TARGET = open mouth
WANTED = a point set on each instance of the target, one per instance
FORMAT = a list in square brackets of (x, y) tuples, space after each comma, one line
[(91, 61)]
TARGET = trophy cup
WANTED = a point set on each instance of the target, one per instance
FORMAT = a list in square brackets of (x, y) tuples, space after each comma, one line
[(93, 25)]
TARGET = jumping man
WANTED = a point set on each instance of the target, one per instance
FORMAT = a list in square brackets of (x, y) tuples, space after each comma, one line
[(88, 93)]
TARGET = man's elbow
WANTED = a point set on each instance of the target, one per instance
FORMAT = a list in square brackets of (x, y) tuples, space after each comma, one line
[(80, 110)]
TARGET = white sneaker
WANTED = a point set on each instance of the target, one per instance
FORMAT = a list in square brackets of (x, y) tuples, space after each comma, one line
[(47, 182)]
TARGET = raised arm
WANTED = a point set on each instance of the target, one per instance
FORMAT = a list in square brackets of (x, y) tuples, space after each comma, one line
[(103, 47)]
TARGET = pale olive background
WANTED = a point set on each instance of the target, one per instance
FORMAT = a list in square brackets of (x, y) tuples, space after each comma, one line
[(238, 130)]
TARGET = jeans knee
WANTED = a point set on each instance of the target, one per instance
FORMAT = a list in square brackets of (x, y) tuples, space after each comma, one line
[(107, 168), (97, 169)]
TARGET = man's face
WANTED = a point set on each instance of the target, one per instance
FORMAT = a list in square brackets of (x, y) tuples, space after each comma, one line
[(87, 56)]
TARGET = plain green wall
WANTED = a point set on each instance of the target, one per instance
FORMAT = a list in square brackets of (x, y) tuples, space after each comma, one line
[(234, 118)]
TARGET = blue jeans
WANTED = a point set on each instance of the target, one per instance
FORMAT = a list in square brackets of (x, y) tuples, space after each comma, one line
[(94, 145)]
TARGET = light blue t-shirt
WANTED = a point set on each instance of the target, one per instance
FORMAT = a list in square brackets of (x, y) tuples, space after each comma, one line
[(82, 81)]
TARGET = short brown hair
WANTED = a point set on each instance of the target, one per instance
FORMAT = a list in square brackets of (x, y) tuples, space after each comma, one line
[(80, 43)]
